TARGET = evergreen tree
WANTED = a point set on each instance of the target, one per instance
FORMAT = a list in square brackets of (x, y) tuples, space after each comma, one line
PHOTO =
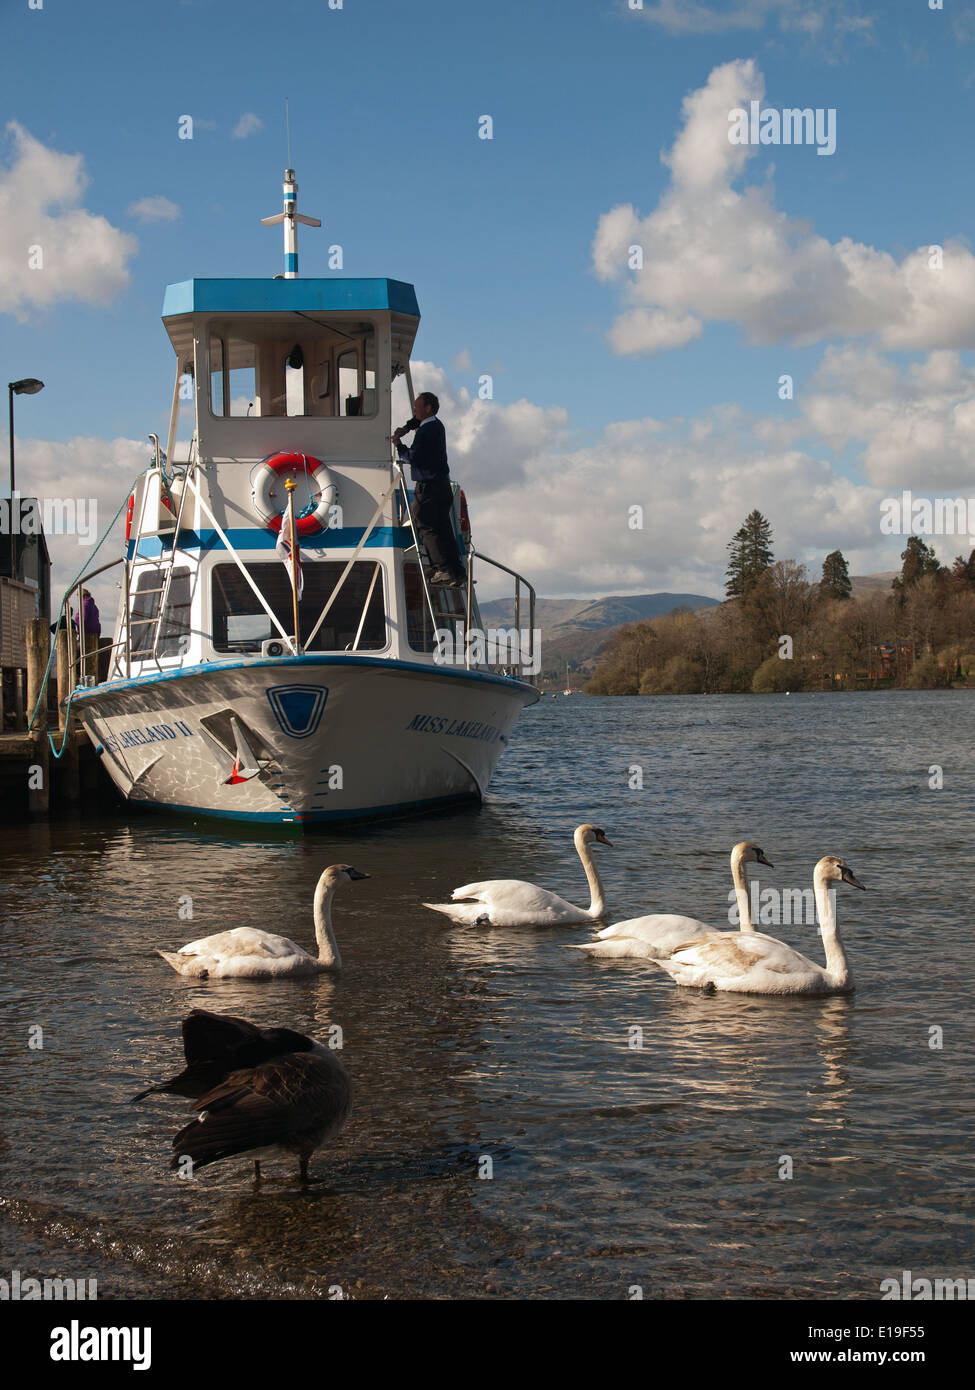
[(751, 555), (963, 571), (919, 560), (835, 582)]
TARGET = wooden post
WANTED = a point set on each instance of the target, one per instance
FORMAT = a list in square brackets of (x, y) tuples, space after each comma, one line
[(39, 777), (69, 789)]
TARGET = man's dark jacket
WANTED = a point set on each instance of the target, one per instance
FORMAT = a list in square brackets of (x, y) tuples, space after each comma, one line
[(428, 455)]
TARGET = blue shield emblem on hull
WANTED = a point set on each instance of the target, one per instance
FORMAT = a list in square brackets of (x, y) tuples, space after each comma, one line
[(297, 708)]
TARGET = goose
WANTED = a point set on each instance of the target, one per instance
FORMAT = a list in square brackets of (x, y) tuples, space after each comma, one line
[(293, 1097), (659, 933), (508, 902), (751, 963), (216, 1044), (246, 953)]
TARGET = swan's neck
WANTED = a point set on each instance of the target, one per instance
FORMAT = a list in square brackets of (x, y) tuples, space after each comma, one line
[(837, 967), (597, 902), (328, 951), (740, 878)]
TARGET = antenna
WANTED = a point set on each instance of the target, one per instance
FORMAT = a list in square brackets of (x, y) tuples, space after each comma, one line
[(290, 217)]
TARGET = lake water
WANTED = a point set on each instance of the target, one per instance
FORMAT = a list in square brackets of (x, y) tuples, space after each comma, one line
[(613, 1166)]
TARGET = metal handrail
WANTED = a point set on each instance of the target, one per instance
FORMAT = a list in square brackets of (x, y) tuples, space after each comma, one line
[(519, 580)]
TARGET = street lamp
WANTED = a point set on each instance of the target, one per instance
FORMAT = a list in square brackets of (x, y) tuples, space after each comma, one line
[(29, 386)]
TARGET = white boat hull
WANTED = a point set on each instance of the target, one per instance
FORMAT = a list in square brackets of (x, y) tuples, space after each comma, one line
[(303, 739)]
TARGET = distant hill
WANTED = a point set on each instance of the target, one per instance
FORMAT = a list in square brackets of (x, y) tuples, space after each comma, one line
[(864, 584), (574, 630)]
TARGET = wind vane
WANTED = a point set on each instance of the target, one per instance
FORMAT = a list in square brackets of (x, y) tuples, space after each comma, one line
[(291, 216)]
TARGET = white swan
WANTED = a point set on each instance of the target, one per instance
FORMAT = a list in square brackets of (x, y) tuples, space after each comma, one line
[(246, 953), (757, 964), (659, 933), (508, 902)]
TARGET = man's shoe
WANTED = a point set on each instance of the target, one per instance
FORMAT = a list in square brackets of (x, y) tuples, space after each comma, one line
[(441, 577), (458, 580)]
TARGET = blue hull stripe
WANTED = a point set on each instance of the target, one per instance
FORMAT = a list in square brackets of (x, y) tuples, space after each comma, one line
[(258, 538), (310, 817), (297, 663)]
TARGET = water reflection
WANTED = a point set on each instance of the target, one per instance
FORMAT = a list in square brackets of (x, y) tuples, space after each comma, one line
[(612, 1163)]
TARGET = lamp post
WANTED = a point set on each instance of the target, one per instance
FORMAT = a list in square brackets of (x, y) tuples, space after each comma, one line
[(28, 386)]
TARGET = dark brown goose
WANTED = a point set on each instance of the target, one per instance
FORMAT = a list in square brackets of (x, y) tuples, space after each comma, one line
[(217, 1044), (266, 1092)]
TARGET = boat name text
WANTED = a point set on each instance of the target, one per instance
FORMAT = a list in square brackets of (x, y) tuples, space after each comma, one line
[(457, 728), (149, 733)]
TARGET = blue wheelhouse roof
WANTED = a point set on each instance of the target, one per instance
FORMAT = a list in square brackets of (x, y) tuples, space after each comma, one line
[(309, 296)]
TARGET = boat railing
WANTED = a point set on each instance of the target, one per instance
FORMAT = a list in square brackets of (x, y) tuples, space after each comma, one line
[(524, 640), (508, 651), (484, 651)]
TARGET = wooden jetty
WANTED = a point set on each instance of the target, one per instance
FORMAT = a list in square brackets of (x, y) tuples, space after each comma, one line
[(33, 781)]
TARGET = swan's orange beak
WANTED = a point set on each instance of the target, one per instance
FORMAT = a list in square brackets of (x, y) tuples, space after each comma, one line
[(602, 839), (760, 858)]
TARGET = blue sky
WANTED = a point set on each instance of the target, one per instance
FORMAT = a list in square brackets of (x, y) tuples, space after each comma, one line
[(498, 238)]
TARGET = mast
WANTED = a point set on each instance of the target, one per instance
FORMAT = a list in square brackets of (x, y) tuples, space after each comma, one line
[(290, 218)]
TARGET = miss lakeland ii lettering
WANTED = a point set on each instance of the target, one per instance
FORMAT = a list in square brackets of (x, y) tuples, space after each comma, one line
[(149, 733), (457, 728)]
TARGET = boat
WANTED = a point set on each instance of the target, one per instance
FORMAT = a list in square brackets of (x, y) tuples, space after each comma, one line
[(335, 683)]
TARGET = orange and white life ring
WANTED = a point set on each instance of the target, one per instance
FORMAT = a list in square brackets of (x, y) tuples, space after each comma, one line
[(270, 496)]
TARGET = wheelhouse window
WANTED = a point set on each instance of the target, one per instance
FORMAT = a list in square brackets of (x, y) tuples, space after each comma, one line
[(355, 622), (293, 366), (174, 631), (419, 625)]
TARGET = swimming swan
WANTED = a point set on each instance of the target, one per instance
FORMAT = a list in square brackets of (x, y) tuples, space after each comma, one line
[(508, 902), (246, 953), (757, 964), (288, 1103), (642, 938)]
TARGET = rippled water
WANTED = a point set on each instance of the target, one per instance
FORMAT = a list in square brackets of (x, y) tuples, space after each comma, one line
[(612, 1166)]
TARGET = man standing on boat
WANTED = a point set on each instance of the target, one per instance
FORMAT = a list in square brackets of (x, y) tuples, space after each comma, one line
[(432, 497)]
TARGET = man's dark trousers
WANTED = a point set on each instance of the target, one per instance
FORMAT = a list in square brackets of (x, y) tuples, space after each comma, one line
[(432, 502)]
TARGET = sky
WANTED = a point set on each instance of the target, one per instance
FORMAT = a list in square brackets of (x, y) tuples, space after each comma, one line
[(799, 337)]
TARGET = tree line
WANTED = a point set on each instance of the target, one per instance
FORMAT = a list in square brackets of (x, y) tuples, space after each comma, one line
[(779, 630)]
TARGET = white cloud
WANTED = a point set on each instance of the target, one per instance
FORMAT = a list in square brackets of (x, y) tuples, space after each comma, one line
[(95, 476), (809, 17), (711, 252), (916, 427), (156, 208), (489, 440), (79, 254), (559, 512), (690, 17), (249, 124)]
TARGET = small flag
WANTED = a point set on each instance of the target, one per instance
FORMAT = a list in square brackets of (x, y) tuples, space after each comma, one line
[(290, 555)]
